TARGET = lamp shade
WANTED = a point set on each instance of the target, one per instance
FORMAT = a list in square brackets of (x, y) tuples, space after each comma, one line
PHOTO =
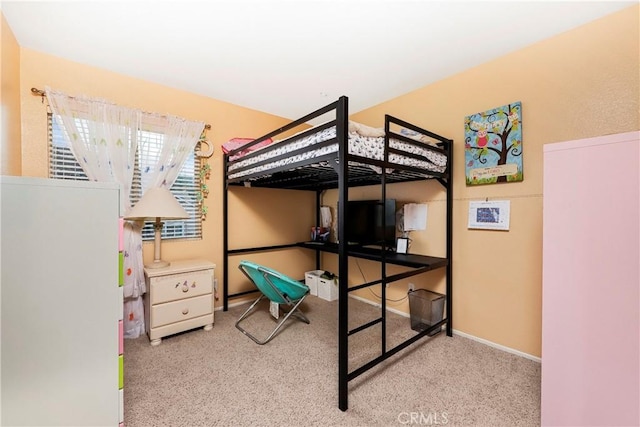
[(157, 203)]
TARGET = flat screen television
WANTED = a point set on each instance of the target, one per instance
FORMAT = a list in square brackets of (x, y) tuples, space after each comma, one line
[(364, 219)]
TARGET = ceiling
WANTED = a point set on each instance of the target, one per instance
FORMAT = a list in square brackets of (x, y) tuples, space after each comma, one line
[(290, 57)]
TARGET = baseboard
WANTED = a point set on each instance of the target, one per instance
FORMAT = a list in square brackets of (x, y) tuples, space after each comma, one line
[(498, 346), (235, 304), (460, 333)]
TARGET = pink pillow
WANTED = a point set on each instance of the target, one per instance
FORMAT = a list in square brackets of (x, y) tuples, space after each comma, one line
[(235, 143)]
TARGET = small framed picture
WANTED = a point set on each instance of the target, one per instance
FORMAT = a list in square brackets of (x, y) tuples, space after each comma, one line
[(489, 215), (402, 245)]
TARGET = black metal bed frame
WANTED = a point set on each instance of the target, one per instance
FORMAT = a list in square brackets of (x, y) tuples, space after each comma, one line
[(334, 171)]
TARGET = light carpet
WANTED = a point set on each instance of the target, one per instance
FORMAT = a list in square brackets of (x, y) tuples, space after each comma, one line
[(222, 378)]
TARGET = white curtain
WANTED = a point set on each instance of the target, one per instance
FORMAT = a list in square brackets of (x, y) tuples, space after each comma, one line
[(180, 139), (104, 138)]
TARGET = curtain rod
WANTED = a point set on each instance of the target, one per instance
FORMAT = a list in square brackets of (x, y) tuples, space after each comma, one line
[(39, 92)]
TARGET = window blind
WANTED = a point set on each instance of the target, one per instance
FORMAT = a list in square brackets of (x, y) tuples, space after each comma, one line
[(63, 165)]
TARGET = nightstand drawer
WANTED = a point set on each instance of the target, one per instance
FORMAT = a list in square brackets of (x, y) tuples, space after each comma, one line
[(179, 286), (163, 314)]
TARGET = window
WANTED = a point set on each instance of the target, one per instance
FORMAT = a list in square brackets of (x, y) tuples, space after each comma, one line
[(63, 165)]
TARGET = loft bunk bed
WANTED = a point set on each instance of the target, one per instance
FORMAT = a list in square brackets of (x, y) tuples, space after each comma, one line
[(339, 154)]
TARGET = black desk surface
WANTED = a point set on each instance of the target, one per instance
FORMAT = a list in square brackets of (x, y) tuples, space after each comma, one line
[(375, 254)]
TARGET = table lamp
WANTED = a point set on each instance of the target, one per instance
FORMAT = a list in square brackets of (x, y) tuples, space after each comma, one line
[(157, 203)]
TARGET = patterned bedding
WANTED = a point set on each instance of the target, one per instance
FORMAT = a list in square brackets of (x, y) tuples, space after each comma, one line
[(371, 147)]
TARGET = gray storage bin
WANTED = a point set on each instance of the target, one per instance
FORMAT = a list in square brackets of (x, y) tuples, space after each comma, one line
[(426, 309)]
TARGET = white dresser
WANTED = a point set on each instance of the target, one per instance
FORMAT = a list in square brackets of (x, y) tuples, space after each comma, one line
[(179, 297)]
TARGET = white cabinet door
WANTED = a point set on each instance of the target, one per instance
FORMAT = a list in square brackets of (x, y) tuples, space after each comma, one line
[(60, 302)]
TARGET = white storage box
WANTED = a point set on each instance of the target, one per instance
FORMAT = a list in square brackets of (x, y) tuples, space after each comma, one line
[(328, 289), (311, 280)]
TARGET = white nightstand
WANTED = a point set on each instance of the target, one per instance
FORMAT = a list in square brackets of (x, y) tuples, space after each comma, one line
[(179, 297)]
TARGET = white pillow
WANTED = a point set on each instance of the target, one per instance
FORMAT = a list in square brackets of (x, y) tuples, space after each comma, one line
[(365, 130), (416, 136)]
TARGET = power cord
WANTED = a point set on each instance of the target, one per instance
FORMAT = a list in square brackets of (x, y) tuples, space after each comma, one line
[(373, 293)]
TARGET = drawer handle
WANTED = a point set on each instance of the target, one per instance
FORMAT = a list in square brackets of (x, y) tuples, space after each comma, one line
[(185, 288), (185, 311)]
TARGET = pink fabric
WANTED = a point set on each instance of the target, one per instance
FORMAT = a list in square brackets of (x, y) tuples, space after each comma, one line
[(120, 337), (234, 143), (121, 235)]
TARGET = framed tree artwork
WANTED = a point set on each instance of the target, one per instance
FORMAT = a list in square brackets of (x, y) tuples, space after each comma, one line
[(493, 145)]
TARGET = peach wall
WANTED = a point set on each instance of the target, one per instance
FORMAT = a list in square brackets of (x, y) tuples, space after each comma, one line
[(582, 83), (10, 144), (574, 85), (227, 121)]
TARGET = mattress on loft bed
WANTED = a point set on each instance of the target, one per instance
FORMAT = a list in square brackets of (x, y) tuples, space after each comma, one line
[(363, 141)]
